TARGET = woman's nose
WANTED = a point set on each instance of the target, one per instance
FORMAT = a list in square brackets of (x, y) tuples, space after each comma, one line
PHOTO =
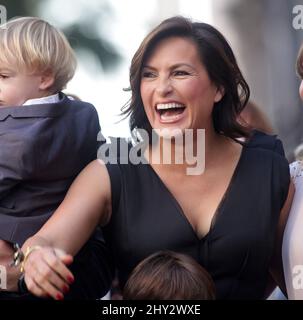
[(164, 86)]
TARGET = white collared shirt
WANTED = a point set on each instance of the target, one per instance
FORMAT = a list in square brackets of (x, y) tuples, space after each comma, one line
[(49, 99)]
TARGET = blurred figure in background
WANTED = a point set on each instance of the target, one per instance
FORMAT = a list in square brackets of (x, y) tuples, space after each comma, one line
[(293, 236)]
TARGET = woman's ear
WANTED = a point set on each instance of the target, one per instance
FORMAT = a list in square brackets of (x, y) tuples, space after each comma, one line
[(47, 80), (219, 94)]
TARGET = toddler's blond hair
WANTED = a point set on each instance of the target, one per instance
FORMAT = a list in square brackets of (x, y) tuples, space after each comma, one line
[(34, 46)]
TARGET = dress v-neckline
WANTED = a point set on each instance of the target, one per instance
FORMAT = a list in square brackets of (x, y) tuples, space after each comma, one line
[(220, 204)]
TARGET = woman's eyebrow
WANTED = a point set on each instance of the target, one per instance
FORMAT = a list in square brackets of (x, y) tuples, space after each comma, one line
[(182, 64), (174, 66), (148, 67)]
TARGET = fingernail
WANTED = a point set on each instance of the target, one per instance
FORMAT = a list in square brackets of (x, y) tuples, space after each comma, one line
[(59, 296), (70, 279)]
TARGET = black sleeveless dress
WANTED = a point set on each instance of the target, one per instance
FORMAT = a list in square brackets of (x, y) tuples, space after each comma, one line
[(237, 249)]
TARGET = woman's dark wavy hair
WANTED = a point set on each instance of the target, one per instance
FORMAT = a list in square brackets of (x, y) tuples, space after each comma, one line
[(219, 61)]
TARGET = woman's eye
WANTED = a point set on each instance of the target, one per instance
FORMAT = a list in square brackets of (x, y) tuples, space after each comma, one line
[(3, 76), (148, 74), (181, 73)]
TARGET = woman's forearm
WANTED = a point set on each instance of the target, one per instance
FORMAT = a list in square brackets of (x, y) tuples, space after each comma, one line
[(84, 207)]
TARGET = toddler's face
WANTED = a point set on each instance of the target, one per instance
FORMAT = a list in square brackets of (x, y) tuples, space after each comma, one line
[(17, 87)]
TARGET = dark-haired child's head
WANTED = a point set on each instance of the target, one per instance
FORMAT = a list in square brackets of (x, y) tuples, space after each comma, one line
[(167, 275)]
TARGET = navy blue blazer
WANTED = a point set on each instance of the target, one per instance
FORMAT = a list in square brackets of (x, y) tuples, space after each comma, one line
[(43, 148)]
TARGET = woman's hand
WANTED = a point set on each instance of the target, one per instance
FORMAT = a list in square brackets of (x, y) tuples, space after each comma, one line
[(46, 274)]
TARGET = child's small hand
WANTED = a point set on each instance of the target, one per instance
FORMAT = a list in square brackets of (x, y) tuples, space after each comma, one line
[(12, 273), (46, 274)]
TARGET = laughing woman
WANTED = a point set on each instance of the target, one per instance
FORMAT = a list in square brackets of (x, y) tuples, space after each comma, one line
[(230, 218)]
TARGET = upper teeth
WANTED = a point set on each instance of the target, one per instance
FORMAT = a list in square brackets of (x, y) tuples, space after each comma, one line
[(173, 105)]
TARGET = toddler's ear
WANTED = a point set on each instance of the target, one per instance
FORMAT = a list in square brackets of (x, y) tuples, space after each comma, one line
[(47, 80)]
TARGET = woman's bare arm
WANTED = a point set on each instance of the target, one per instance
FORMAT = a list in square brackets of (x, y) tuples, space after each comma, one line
[(87, 203)]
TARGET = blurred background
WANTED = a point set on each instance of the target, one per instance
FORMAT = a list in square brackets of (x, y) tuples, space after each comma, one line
[(106, 34)]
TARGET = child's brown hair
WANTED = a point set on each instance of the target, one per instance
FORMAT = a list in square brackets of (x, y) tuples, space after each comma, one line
[(167, 275)]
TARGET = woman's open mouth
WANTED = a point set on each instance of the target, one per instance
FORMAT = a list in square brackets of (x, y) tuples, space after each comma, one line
[(170, 112)]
